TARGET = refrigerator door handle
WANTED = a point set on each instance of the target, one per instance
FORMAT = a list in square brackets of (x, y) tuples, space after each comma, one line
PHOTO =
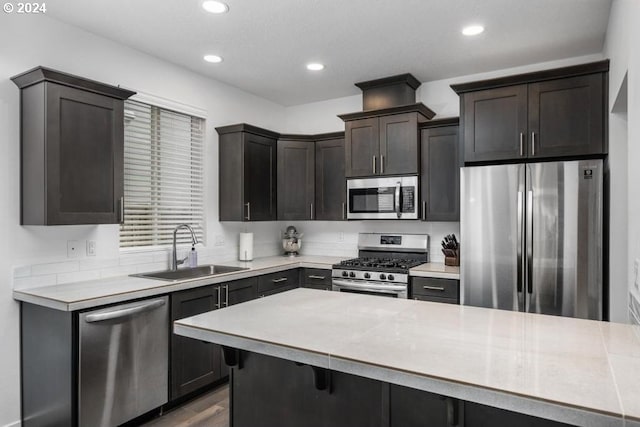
[(397, 204), (519, 242), (530, 241)]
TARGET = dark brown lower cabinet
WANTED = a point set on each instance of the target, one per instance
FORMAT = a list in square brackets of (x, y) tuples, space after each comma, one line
[(271, 392), (409, 407), (194, 364), (435, 289), (269, 284), (315, 278)]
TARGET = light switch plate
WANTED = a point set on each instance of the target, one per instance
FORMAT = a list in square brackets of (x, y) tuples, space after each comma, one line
[(91, 248), (73, 249), (341, 236), (219, 240)]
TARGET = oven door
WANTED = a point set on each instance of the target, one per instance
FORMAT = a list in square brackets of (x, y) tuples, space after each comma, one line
[(382, 198), (394, 290)]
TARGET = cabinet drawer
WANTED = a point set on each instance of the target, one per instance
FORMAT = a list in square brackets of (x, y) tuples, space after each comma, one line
[(434, 299), (277, 280), (316, 278), (276, 291), (430, 287)]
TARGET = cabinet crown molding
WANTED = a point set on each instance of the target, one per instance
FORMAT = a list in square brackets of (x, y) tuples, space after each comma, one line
[(43, 74)]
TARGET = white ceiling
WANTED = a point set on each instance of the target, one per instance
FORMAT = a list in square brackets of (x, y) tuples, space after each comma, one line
[(266, 44)]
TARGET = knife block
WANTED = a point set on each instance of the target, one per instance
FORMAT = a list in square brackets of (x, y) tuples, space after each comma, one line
[(453, 261)]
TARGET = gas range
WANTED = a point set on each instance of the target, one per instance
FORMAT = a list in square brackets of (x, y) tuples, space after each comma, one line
[(383, 265)]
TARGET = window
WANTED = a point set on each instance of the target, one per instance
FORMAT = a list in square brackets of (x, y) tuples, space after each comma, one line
[(163, 175)]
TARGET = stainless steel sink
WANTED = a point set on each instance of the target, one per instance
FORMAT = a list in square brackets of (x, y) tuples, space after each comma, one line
[(189, 273)]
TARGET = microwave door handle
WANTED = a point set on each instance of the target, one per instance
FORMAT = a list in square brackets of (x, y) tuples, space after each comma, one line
[(398, 185)]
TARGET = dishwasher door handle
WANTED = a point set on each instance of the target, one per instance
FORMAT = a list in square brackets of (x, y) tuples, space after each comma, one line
[(117, 314)]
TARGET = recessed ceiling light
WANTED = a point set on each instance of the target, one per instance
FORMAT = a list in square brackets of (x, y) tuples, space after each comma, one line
[(213, 58), (472, 30), (315, 66), (213, 6)]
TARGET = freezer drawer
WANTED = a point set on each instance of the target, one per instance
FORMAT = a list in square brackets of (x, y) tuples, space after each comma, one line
[(123, 362)]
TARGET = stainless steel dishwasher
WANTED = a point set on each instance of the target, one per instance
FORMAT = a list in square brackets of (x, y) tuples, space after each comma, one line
[(123, 362)]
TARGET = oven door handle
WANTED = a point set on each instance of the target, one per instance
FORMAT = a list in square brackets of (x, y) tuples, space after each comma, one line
[(369, 286), (398, 185)]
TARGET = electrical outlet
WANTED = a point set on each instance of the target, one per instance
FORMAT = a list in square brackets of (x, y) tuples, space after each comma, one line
[(636, 279), (219, 240), (341, 236), (73, 249), (91, 248)]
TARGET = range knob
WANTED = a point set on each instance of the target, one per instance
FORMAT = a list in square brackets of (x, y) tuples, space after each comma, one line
[(345, 274), (390, 277), (382, 277), (367, 275), (352, 274)]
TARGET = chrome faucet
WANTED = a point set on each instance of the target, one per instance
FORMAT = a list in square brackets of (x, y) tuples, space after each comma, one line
[(175, 261)]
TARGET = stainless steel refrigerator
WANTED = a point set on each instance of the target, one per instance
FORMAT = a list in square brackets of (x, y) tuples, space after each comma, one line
[(531, 237)]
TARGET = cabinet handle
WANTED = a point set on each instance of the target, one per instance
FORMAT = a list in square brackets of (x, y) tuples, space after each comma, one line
[(424, 210), (533, 143), (521, 144), (282, 279), (374, 164), (226, 295), (316, 277), (248, 217), (343, 211), (381, 164), (219, 292), (433, 288), (122, 210), (311, 211)]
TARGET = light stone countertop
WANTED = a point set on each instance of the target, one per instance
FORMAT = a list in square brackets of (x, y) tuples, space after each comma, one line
[(93, 293), (436, 270), (580, 372)]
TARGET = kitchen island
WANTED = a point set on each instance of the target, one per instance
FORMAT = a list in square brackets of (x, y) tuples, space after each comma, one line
[(472, 360)]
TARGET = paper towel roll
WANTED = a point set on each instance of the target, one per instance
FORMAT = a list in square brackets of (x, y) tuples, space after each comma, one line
[(246, 247)]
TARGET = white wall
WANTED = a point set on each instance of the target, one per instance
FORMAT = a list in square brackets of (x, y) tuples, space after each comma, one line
[(28, 41), (624, 146)]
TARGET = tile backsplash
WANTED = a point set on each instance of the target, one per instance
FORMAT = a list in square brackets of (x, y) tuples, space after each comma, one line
[(320, 238)]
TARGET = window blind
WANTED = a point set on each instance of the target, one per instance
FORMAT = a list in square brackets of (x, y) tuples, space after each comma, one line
[(163, 175)]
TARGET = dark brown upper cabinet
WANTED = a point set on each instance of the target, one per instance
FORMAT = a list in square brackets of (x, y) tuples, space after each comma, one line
[(72, 147), (296, 179), (548, 114), (330, 178), (383, 145), (247, 173), (440, 171)]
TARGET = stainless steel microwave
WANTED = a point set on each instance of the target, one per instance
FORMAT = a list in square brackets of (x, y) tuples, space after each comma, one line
[(383, 198)]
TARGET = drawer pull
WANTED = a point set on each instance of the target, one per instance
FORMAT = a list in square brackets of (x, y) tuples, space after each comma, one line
[(433, 288), (282, 279), (316, 277)]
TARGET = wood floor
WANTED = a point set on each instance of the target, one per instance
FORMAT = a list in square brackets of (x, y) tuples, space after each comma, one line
[(210, 410)]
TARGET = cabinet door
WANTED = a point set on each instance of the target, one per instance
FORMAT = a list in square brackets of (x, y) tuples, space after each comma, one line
[(362, 147), (495, 124), (84, 156), (330, 180), (440, 174), (194, 363), (274, 282), (409, 407), (566, 117), (435, 289), (296, 180), (399, 144), (259, 178), (315, 278), (476, 415), (240, 291)]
